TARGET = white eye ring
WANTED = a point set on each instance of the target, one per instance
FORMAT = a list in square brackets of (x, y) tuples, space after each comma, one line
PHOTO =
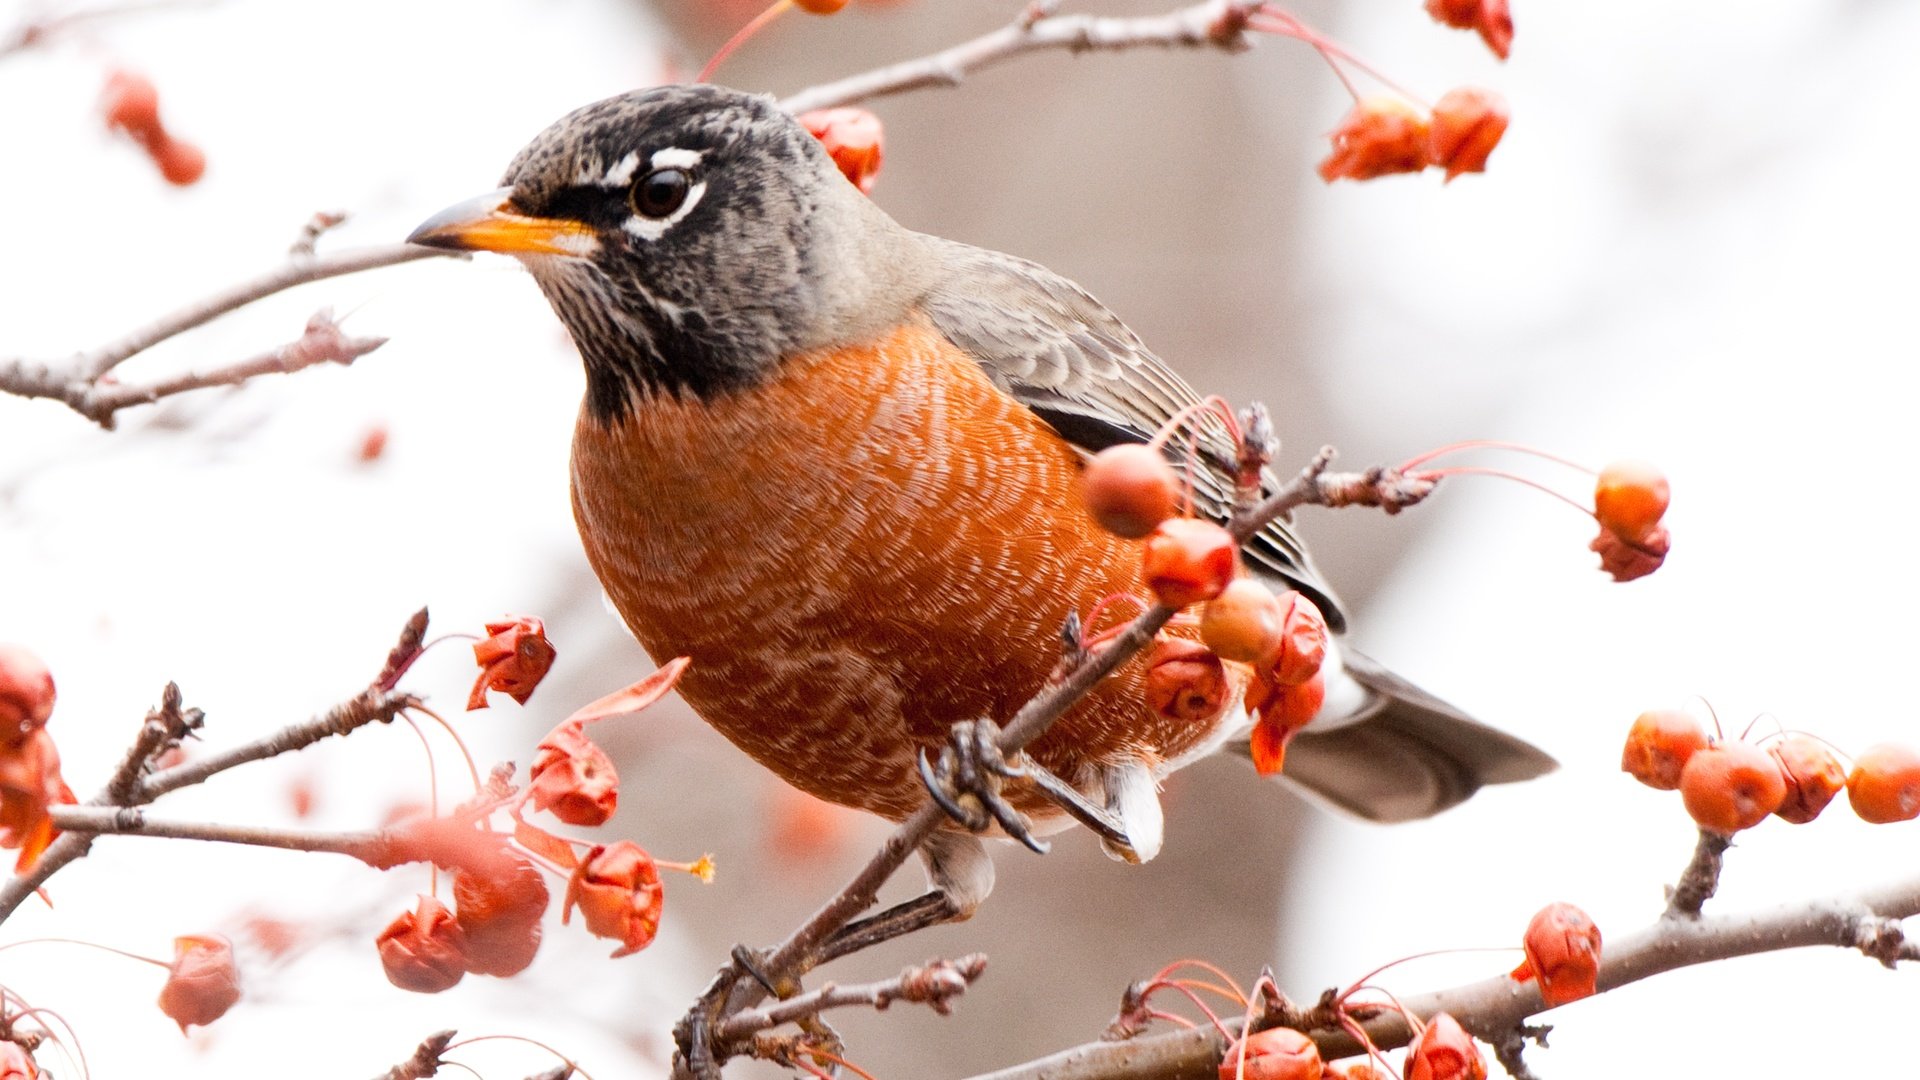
[(645, 227)]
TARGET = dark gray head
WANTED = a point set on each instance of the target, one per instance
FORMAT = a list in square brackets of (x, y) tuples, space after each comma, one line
[(690, 237)]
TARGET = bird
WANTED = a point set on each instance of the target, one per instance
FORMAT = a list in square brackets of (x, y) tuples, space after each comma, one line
[(838, 463)]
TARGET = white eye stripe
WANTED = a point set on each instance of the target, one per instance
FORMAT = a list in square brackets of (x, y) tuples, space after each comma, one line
[(675, 157), (647, 228)]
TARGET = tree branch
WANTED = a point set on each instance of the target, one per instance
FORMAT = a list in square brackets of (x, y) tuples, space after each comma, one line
[(1218, 24), (1491, 1008), (79, 383), (935, 984), (374, 704)]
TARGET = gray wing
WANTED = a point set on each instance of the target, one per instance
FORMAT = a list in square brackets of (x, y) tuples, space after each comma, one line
[(1056, 349)]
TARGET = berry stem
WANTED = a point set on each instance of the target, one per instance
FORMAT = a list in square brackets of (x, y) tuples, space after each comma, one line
[(754, 25), (90, 945), (572, 1065), (1481, 470)]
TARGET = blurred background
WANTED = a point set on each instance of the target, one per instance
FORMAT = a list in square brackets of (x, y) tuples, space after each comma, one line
[(1692, 247)]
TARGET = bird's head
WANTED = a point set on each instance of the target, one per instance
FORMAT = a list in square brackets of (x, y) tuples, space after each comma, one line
[(690, 238)]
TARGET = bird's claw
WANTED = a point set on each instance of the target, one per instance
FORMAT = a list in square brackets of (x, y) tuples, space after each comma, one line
[(965, 782)]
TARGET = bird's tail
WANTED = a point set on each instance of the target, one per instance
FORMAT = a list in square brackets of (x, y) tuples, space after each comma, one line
[(1389, 751)]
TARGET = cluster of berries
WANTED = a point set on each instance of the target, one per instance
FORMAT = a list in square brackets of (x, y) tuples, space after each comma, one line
[(1730, 784)]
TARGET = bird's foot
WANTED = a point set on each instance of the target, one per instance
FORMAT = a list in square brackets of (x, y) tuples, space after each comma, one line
[(965, 781), (967, 777)]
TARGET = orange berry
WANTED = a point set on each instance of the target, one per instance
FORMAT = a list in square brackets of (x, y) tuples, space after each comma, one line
[(1129, 489), (131, 103), (1885, 784), (1273, 1054), (1629, 499), (1813, 776), (819, 7), (1185, 681), (202, 982), (1380, 135), (424, 950), (1186, 560), (854, 138), (1563, 952), (1443, 1051), (1303, 643), (1467, 124), (1244, 623), (499, 906), (1731, 786), (1658, 746), (181, 162), (26, 692)]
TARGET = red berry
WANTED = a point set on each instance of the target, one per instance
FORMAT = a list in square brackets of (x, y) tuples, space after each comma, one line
[(1885, 784), (1379, 135), (1129, 489), (1813, 776), (181, 162), (1303, 643), (1187, 560), (1273, 1054), (424, 950), (1467, 124), (26, 692), (1629, 498), (499, 906), (1444, 1051), (819, 7), (131, 103), (1658, 746), (1563, 952), (1731, 786), (202, 982), (1185, 681), (1244, 623)]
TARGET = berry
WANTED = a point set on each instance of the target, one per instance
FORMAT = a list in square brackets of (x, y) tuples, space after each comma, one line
[(181, 162), (1187, 560), (424, 950), (1185, 681), (1467, 124), (819, 7), (1813, 776), (202, 982), (1885, 784), (1658, 746), (1563, 952), (1379, 135), (1244, 623), (1629, 498), (26, 692), (1273, 1054), (1303, 644), (1731, 786), (131, 103), (1129, 489), (1444, 1051)]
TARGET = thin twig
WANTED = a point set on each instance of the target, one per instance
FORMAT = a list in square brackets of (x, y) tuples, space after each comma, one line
[(935, 984), (372, 705), (1216, 24), (425, 1061), (78, 381), (133, 821)]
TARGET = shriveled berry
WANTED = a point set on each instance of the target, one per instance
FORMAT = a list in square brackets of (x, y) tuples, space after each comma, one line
[(424, 950), (1444, 1051), (1563, 952), (1467, 124), (1129, 489), (1658, 746), (1244, 622), (1303, 642), (26, 692), (1273, 1054), (1731, 786), (1813, 776), (1379, 135), (1186, 561), (1630, 498), (1885, 784), (1185, 680)]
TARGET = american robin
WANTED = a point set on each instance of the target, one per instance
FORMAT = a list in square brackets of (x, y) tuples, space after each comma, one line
[(836, 462)]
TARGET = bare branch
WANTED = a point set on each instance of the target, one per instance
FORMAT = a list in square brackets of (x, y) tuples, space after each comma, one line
[(374, 704), (935, 984), (133, 821), (1492, 1008), (1214, 24), (79, 382), (425, 1061), (1701, 877)]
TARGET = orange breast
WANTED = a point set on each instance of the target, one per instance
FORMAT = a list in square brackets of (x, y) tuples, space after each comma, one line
[(874, 544)]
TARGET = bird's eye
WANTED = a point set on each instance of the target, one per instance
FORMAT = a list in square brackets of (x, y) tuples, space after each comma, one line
[(661, 192)]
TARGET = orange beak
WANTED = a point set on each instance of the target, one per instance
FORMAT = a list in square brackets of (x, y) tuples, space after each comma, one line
[(488, 223)]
